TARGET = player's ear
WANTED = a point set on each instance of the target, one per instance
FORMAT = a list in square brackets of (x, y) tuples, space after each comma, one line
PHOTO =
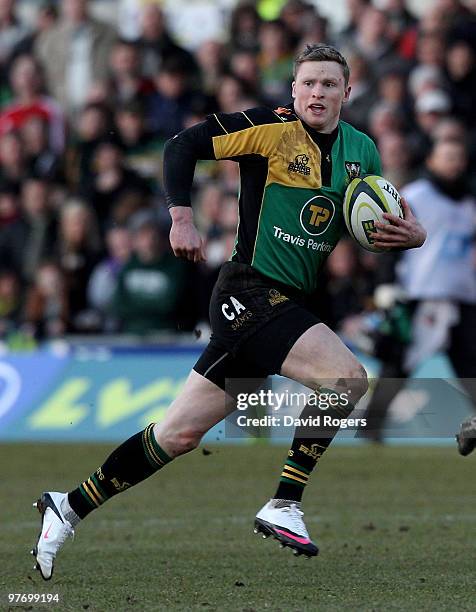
[(347, 94), (293, 89)]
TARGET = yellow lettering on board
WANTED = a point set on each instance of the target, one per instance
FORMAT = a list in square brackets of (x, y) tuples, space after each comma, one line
[(62, 410)]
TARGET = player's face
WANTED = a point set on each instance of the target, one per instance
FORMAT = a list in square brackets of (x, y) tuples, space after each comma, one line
[(319, 92)]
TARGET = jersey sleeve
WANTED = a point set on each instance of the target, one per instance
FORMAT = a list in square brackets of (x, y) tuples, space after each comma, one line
[(220, 136), (245, 133)]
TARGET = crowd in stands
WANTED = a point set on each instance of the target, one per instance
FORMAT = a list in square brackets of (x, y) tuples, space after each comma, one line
[(84, 116)]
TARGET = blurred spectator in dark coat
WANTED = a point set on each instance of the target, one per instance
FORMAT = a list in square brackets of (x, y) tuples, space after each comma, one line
[(110, 182), (126, 82), (94, 125), (30, 239), (461, 76), (75, 54), (40, 159), (157, 46), (173, 100), (77, 251), (141, 147)]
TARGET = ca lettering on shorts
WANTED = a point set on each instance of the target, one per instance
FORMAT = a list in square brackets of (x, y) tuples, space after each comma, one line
[(232, 308)]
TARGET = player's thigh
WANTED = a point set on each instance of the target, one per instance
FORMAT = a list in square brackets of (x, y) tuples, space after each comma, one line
[(320, 358), (198, 407)]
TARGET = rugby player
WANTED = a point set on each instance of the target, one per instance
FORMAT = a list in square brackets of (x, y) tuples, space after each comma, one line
[(295, 163)]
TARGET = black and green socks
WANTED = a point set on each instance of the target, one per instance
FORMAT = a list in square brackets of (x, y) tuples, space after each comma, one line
[(132, 462), (309, 443)]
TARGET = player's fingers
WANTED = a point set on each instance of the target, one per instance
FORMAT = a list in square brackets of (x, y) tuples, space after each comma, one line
[(394, 220), (407, 211), (390, 229)]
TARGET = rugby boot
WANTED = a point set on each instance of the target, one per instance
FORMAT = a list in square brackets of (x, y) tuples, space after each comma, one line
[(55, 529), (282, 519)]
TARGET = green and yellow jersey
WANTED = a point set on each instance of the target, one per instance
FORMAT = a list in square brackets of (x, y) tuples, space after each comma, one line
[(292, 185)]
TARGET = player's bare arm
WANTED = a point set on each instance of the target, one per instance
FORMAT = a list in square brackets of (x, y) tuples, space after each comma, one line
[(406, 233)]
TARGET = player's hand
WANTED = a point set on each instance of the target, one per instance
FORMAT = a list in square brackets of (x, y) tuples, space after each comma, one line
[(184, 237), (406, 233)]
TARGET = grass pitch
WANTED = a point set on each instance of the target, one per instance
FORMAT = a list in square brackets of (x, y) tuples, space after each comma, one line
[(396, 527)]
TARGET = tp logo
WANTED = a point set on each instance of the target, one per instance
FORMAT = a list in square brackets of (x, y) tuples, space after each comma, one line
[(316, 215)]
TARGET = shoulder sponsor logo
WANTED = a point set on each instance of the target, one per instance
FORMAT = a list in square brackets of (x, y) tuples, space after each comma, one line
[(282, 110), (353, 169), (316, 215), (299, 165)]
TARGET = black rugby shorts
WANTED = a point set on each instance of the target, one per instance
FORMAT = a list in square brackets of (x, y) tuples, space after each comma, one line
[(255, 322)]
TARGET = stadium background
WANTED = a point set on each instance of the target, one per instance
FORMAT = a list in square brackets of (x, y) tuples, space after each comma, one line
[(88, 356)]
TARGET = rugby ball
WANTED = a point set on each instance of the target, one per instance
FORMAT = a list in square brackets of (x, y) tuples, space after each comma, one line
[(365, 201)]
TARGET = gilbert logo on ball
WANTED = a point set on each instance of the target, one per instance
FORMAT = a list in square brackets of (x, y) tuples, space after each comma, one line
[(365, 201)]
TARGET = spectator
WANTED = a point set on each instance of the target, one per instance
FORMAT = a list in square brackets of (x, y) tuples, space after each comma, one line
[(10, 302), (47, 308), (244, 66), (12, 159), (30, 238), (152, 285), (173, 101), (45, 18), (244, 28), (77, 251), (126, 82), (396, 158), (211, 62), (28, 103), (93, 127), (111, 181), (461, 75), (40, 159), (103, 281), (74, 54), (297, 16), (9, 205), (363, 97), (275, 61), (374, 38), (157, 46), (12, 32), (231, 96), (142, 148)]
